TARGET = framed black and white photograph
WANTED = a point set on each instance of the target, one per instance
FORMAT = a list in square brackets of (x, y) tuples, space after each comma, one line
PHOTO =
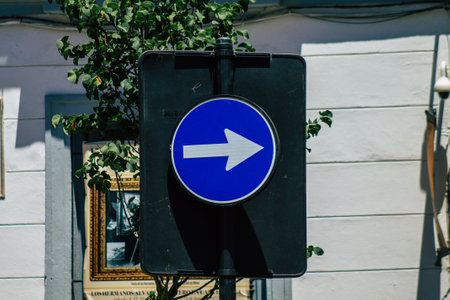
[(121, 242), (114, 217)]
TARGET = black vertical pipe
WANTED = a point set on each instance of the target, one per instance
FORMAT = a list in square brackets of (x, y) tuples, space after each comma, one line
[(223, 84), (224, 67)]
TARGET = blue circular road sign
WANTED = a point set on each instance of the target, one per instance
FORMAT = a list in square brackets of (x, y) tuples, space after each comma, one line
[(224, 150)]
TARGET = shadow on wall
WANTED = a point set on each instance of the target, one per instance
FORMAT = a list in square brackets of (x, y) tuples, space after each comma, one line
[(24, 91), (429, 275), (19, 132), (290, 32)]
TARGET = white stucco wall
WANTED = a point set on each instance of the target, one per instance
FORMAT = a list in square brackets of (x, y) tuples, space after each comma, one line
[(367, 182), (30, 68), (366, 175)]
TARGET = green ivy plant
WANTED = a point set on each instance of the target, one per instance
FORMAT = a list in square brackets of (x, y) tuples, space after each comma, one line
[(313, 127), (118, 32), (310, 250)]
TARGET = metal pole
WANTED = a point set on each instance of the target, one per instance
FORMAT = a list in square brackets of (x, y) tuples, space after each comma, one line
[(227, 272), (224, 67), (223, 84)]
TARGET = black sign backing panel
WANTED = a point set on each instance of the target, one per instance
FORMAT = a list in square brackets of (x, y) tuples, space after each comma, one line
[(174, 236), (179, 234)]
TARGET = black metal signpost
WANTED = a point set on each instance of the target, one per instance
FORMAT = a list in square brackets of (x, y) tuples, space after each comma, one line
[(222, 165), (223, 84)]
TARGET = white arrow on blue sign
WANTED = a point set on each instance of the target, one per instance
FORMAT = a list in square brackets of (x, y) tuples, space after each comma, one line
[(224, 150)]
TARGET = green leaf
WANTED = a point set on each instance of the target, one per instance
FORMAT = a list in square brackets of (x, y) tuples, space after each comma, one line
[(124, 26), (312, 249), (312, 128), (147, 4), (78, 173), (309, 251), (243, 33), (126, 85), (72, 76), (56, 120), (129, 14), (86, 11), (222, 15), (112, 147), (135, 43), (318, 251), (86, 80), (172, 16), (326, 117), (142, 13), (59, 44), (199, 15)]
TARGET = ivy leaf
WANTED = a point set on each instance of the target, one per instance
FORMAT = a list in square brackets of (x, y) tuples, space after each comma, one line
[(243, 33), (135, 43), (124, 26), (98, 81), (199, 15), (86, 80), (318, 251), (59, 44), (326, 117), (222, 15), (72, 76), (56, 120), (312, 249), (126, 85), (62, 42)]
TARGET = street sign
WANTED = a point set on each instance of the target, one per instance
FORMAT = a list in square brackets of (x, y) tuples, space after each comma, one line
[(224, 150), (187, 137)]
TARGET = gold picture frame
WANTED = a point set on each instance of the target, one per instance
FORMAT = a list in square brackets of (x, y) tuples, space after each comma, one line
[(114, 253)]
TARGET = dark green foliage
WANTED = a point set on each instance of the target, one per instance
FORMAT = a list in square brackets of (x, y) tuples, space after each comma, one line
[(119, 32), (313, 127), (310, 250), (117, 156)]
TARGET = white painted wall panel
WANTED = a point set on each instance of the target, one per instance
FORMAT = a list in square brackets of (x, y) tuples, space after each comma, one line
[(362, 243), (370, 135), (33, 45), (22, 251), (375, 285), (25, 198), (401, 44), (22, 289), (11, 102), (287, 33), (24, 145), (443, 49), (366, 188), (32, 84), (369, 80)]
